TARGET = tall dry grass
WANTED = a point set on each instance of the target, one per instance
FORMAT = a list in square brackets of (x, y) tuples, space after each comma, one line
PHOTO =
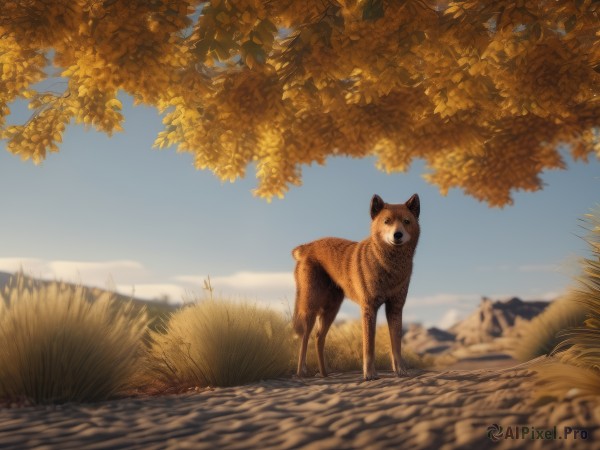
[(343, 350), (59, 343), (220, 343), (575, 368), (545, 331)]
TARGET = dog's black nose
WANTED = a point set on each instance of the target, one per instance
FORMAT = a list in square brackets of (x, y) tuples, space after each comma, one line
[(398, 235)]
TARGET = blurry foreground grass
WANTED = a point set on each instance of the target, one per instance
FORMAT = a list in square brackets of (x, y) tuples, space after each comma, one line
[(575, 366), (545, 331), (58, 343)]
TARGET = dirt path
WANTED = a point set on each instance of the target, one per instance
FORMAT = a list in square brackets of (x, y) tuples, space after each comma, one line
[(428, 410)]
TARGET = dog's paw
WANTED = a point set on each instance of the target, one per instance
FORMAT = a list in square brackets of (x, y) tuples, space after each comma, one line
[(302, 373), (402, 373), (370, 376)]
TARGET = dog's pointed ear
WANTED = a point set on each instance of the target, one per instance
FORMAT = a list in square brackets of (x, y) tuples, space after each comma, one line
[(376, 205), (414, 205)]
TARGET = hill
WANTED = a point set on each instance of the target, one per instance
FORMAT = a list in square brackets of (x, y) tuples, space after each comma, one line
[(155, 310), (494, 319), (485, 338)]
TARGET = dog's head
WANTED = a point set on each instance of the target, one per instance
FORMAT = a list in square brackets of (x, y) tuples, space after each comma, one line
[(395, 224)]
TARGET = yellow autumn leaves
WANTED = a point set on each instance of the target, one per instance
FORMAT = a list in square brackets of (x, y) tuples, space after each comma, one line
[(484, 92)]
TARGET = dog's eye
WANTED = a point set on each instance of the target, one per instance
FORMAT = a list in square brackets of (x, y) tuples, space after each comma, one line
[(387, 221), (406, 222)]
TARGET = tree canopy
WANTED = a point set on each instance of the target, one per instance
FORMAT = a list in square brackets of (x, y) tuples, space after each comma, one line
[(486, 92)]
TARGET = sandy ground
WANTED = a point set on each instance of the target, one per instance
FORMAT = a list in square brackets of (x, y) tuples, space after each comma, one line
[(428, 410), (488, 361)]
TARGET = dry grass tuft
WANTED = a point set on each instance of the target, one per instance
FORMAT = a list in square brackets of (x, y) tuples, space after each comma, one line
[(343, 350), (575, 367), (558, 379), (220, 343), (59, 343), (544, 332)]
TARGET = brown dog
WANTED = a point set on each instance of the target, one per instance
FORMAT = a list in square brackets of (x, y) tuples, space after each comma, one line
[(371, 272)]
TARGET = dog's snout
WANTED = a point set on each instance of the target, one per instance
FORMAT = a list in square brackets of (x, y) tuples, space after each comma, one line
[(398, 235)]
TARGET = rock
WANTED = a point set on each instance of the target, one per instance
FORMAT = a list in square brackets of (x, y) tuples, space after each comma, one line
[(428, 340), (494, 319)]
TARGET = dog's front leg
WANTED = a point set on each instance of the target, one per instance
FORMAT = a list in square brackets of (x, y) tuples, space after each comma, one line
[(393, 312), (369, 318)]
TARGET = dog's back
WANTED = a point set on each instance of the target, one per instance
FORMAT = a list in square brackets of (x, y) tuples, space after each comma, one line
[(316, 289)]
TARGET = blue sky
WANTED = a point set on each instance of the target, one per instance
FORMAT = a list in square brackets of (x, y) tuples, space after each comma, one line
[(115, 209)]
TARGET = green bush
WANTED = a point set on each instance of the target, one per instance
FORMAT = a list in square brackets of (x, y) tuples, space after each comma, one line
[(60, 343), (220, 343), (575, 367)]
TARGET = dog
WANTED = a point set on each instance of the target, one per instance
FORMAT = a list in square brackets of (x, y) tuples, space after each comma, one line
[(372, 272)]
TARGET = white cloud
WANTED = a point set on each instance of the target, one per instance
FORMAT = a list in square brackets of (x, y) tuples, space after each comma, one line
[(548, 295), (277, 289), (131, 278), (451, 317), (255, 280), (446, 299), (93, 273), (433, 310), (245, 280), (271, 287), (104, 274), (151, 291), (96, 273), (34, 266)]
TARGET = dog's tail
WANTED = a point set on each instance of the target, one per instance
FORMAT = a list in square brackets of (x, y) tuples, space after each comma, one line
[(298, 252)]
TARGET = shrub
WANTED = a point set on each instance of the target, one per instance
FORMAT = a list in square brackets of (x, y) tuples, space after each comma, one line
[(220, 343), (544, 332), (343, 349), (60, 343), (576, 364), (558, 379)]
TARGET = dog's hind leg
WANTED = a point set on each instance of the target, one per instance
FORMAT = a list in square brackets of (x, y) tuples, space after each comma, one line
[(305, 311), (335, 296), (308, 323)]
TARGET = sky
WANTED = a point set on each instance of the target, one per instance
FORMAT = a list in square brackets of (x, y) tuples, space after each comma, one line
[(114, 212)]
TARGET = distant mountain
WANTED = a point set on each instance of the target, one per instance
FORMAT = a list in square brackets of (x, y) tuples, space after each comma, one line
[(428, 340), (494, 319), (493, 325), (4, 277)]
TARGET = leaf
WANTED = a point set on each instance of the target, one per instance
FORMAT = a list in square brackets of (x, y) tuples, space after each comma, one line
[(570, 23), (253, 53), (114, 104), (485, 92), (372, 10)]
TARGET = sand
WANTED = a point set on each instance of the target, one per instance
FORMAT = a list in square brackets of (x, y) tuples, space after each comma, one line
[(451, 409)]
